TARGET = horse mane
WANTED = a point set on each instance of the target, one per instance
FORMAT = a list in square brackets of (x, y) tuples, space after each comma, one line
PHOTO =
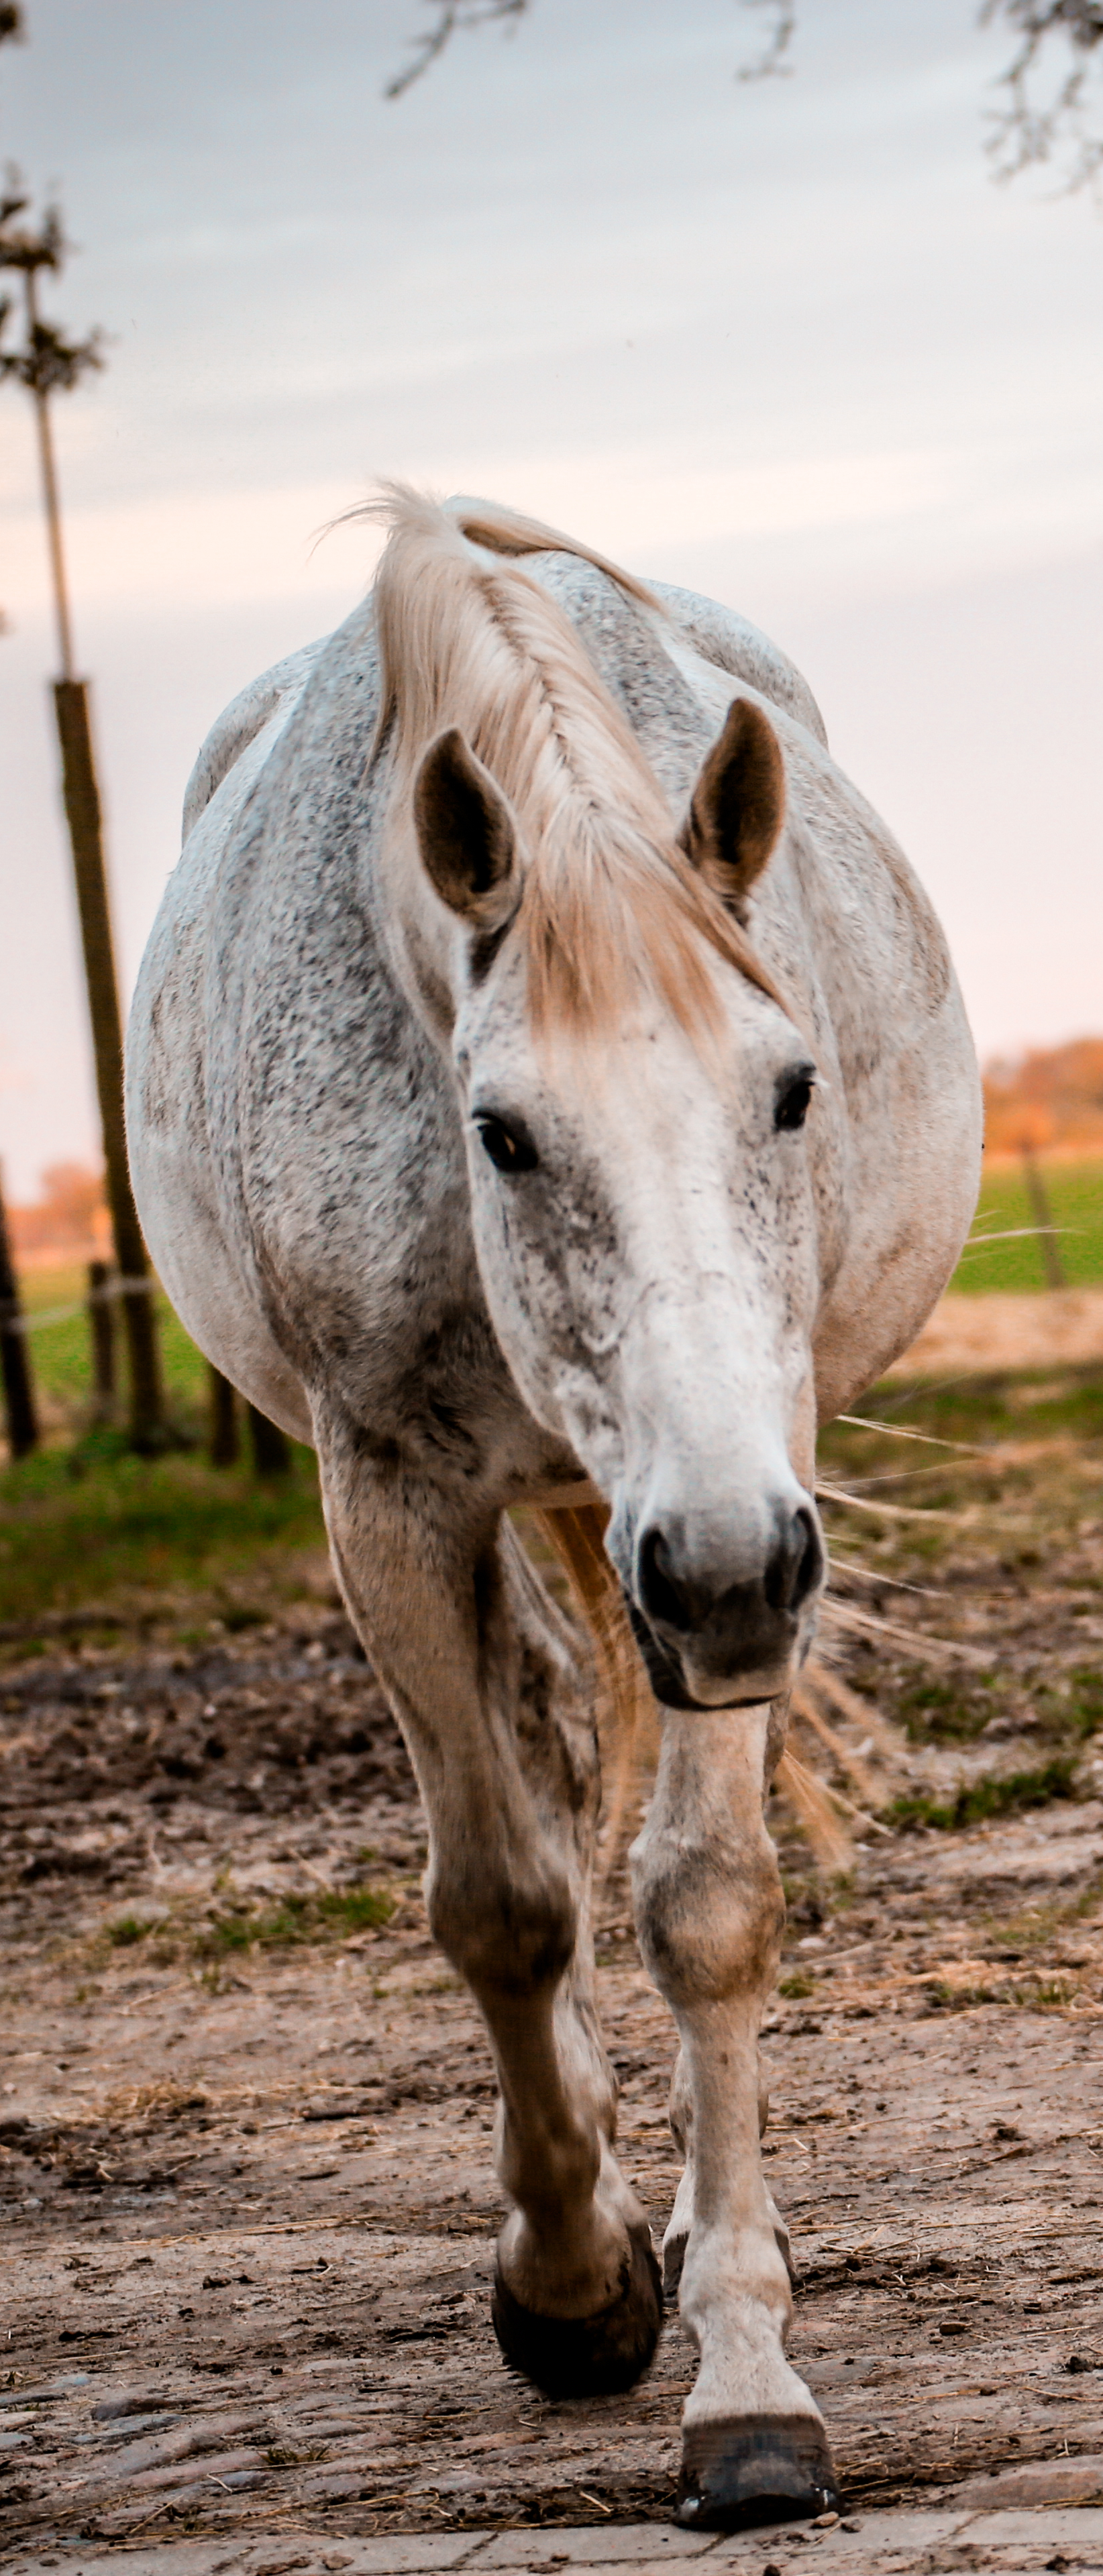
[(610, 906)]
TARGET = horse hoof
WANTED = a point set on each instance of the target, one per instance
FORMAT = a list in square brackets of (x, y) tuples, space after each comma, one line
[(755, 2468), (587, 2356)]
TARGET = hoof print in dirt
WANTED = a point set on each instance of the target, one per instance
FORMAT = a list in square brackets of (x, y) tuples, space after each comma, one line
[(596, 2356), (755, 2468)]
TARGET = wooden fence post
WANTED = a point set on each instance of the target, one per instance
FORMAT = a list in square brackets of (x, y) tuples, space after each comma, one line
[(223, 1418), (14, 1358), (82, 808), (1042, 1212), (271, 1447), (101, 1318)]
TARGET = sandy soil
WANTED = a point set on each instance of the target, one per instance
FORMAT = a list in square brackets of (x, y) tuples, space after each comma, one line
[(1056, 1327), (247, 2203)]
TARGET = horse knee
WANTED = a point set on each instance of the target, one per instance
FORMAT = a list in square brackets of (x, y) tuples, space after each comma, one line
[(510, 1932), (709, 1921)]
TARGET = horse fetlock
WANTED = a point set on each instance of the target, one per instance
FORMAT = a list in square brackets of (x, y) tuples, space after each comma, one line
[(735, 2289), (566, 2258)]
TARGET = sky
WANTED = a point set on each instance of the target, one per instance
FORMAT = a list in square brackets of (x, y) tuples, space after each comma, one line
[(783, 341)]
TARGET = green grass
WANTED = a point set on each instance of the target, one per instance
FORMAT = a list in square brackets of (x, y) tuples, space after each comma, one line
[(335, 1913), (61, 1352), (1076, 1195), (231, 1931), (97, 1523), (85, 1521), (993, 1796)]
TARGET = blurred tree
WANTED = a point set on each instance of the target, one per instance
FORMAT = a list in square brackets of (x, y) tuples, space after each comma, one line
[(1052, 95), (70, 1216)]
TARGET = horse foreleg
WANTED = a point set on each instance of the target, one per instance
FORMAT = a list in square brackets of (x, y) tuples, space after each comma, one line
[(709, 1910), (496, 1709)]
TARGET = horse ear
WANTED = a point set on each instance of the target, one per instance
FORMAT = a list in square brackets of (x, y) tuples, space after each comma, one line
[(465, 832), (738, 805)]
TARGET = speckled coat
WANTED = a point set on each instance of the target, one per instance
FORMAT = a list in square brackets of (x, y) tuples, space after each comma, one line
[(650, 1311)]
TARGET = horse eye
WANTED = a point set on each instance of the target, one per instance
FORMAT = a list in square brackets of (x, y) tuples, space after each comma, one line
[(792, 1101), (510, 1150)]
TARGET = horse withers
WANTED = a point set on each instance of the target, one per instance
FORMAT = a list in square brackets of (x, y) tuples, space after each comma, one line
[(547, 1084)]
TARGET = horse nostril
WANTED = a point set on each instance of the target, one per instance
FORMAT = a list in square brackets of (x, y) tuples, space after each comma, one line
[(660, 1595), (796, 1564)]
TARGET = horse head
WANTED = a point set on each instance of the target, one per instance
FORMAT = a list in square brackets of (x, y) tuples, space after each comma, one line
[(640, 1116)]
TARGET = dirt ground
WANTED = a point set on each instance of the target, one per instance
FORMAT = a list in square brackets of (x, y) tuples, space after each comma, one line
[(247, 2209), (1059, 1326)]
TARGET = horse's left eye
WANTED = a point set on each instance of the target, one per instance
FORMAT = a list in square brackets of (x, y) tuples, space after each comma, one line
[(792, 1100), (509, 1148)]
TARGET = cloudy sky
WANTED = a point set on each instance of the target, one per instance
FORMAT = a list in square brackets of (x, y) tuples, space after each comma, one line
[(785, 342)]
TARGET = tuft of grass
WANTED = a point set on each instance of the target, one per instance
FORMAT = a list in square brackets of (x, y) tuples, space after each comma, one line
[(795, 1988), (979, 1799), (128, 1929), (1031, 1994), (951, 1711), (1085, 1708), (334, 1913)]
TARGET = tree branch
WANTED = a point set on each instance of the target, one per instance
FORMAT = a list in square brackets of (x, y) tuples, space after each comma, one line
[(449, 16), (1048, 88)]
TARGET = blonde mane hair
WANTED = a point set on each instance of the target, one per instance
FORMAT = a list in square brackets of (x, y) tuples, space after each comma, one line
[(611, 907)]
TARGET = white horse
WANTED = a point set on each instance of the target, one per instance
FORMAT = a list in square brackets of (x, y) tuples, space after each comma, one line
[(548, 1085)]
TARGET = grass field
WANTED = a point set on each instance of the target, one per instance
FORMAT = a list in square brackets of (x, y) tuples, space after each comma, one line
[(60, 1351), (1075, 1192), (83, 1520)]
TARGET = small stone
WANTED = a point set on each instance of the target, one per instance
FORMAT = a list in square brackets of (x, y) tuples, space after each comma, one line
[(824, 2521), (851, 2525)]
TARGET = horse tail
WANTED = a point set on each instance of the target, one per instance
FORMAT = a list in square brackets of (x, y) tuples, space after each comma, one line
[(627, 1723), (627, 1717)]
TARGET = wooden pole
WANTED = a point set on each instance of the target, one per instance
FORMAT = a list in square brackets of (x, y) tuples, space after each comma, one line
[(101, 1318), (223, 1414), (1042, 1213), (50, 497), (82, 808), (14, 1361), (271, 1447)]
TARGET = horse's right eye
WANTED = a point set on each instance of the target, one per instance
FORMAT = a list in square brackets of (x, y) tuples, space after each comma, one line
[(509, 1148)]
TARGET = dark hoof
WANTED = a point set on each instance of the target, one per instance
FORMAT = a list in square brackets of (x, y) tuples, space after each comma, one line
[(755, 2468), (587, 2356)]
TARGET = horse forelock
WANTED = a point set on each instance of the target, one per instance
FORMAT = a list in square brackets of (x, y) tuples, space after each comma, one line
[(610, 909)]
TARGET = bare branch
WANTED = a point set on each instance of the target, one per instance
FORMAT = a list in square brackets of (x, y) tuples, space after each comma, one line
[(1050, 87), (450, 15), (46, 363), (771, 63)]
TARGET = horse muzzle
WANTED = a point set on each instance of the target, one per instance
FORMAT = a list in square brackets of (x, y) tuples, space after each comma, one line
[(716, 1630)]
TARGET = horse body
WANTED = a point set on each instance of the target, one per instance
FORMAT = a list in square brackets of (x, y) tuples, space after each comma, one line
[(469, 1080)]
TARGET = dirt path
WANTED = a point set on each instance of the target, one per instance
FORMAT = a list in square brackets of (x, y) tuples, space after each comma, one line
[(248, 2213), (1053, 1328)]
